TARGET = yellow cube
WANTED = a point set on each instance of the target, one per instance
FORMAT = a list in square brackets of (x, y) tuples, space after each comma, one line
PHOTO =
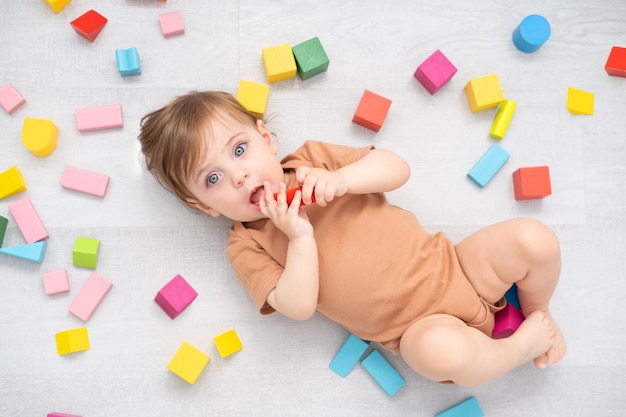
[(279, 62), (11, 182), (71, 341), (57, 5), (228, 343), (253, 96), (188, 362), (579, 101), (40, 136), (484, 92)]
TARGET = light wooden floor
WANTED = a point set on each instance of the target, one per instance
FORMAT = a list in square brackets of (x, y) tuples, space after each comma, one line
[(147, 237)]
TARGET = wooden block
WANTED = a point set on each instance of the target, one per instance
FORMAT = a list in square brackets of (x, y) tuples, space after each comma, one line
[(616, 62), (532, 182), (502, 119), (61, 415), (28, 220), (488, 165), (89, 25), (227, 343), (57, 5), (383, 373), (467, 408), (171, 24), (434, 72), (507, 321), (85, 181), (90, 296), (511, 297), (70, 341), (10, 98), (99, 118), (311, 59), (40, 136), (3, 228), (579, 101), (371, 111), (348, 355), (253, 96), (128, 62), (175, 296), (85, 252), (188, 362), (291, 193), (55, 282), (11, 182), (531, 33), (34, 252), (279, 62), (484, 92)]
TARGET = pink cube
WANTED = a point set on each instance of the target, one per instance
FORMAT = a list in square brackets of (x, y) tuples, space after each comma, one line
[(171, 24), (10, 98), (55, 282), (435, 72), (28, 220), (507, 322), (175, 296), (90, 296)]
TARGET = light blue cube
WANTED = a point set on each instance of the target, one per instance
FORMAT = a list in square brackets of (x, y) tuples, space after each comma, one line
[(128, 61)]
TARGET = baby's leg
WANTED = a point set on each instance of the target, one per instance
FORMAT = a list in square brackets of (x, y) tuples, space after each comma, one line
[(443, 348), (522, 251)]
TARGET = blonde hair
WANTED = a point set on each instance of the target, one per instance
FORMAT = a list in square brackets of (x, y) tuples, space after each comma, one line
[(174, 137)]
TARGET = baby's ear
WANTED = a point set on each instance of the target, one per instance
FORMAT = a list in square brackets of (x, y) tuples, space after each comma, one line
[(267, 135), (203, 207)]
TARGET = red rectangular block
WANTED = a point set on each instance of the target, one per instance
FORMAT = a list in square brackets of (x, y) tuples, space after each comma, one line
[(532, 182)]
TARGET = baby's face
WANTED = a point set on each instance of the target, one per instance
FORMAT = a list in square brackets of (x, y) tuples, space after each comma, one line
[(229, 178)]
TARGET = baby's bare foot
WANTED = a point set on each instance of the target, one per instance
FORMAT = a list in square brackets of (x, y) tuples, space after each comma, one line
[(559, 348), (536, 336)]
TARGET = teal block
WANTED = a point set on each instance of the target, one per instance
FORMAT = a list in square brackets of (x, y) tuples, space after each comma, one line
[(3, 228), (511, 297), (128, 61), (488, 165), (387, 377), (33, 252), (348, 355), (467, 408), (311, 59)]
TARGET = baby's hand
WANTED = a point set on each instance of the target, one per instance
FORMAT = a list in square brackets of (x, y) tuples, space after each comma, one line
[(289, 218), (325, 184)]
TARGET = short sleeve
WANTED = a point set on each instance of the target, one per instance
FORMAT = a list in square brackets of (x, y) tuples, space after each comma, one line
[(324, 155)]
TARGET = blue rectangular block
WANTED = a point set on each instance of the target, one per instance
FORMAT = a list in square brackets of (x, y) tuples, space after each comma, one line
[(348, 356), (467, 408), (488, 165), (387, 377), (511, 297)]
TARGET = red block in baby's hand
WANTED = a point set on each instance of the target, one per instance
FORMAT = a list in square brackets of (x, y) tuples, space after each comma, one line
[(292, 192)]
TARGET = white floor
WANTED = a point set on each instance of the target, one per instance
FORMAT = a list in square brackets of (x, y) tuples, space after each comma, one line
[(147, 237)]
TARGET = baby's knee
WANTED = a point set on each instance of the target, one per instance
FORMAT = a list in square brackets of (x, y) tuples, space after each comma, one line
[(537, 241)]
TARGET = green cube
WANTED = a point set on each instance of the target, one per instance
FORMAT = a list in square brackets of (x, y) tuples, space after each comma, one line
[(85, 252), (311, 59)]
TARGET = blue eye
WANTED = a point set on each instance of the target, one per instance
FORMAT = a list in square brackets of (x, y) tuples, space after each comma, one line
[(212, 179), (240, 149)]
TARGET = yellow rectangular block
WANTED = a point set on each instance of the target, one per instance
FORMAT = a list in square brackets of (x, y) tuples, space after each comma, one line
[(279, 62), (579, 101), (57, 5), (11, 182), (71, 341), (253, 96), (228, 343), (188, 362), (484, 92), (40, 136)]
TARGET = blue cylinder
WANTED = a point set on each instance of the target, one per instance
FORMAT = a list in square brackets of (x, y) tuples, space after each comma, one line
[(531, 33)]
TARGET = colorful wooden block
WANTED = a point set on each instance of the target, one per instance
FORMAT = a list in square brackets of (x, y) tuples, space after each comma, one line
[(579, 101), (434, 72), (348, 355), (467, 408), (61, 415), (488, 165), (11, 182), (512, 298), (188, 362), (40, 136), (85, 181), (90, 296), (34, 252), (55, 282), (85, 252), (4, 222), (28, 220), (253, 96), (171, 24), (89, 24), (371, 111), (507, 321), (616, 62), (57, 5), (99, 118), (10, 98), (484, 92), (383, 373), (175, 296), (70, 341), (227, 343), (128, 62), (311, 59), (532, 182), (279, 62), (531, 33), (502, 119)]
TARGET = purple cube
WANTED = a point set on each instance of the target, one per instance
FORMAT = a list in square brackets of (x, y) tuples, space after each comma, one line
[(175, 296), (435, 72)]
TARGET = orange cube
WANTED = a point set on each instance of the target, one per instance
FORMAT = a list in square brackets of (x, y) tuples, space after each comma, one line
[(372, 111), (532, 182)]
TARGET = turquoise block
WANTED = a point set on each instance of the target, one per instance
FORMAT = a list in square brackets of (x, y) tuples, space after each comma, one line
[(531, 33), (467, 408), (128, 61), (381, 370), (348, 355), (488, 165), (33, 252), (511, 297)]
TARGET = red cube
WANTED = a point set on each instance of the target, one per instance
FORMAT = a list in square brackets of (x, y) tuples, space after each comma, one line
[(532, 182)]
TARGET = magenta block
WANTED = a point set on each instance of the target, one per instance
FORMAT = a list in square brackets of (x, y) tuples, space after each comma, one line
[(61, 415), (508, 321), (175, 296), (435, 72)]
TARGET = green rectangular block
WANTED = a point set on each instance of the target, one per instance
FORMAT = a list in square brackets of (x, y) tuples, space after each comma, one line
[(311, 59), (85, 252), (3, 228)]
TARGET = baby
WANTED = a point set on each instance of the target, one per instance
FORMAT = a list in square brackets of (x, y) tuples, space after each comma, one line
[(347, 253)]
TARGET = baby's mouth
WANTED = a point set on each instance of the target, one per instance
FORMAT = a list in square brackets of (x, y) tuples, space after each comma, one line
[(255, 196)]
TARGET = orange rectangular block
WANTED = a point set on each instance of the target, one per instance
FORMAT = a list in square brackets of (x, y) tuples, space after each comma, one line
[(371, 111), (532, 182)]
